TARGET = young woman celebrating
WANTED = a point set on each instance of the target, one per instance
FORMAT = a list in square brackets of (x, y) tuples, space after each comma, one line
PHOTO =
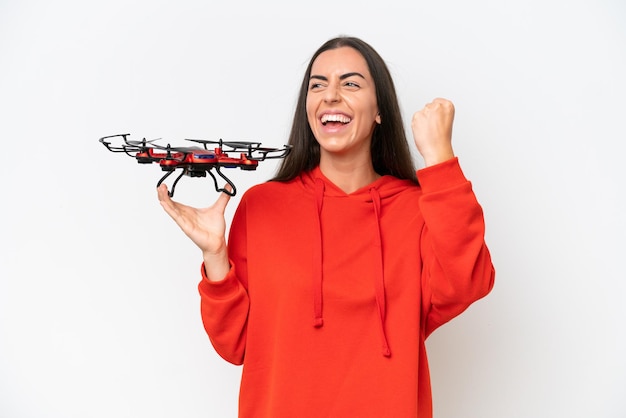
[(338, 269)]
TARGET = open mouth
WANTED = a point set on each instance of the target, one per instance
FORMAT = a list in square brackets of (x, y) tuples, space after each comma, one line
[(335, 118)]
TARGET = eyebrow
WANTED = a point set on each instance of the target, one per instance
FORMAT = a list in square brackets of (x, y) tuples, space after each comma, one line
[(342, 77)]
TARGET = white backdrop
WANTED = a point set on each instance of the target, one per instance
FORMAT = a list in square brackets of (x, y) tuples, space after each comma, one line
[(99, 311)]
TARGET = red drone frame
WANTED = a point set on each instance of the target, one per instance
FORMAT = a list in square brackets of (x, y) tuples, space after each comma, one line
[(197, 161)]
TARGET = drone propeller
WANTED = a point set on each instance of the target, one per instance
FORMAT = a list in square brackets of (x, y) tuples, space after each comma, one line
[(143, 143), (128, 145), (233, 145), (253, 150), (169, 148)]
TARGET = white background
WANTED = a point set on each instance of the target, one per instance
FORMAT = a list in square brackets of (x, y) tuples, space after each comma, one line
[(99, 311)]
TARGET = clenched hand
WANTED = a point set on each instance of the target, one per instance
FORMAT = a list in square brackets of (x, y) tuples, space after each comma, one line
[(432, 131)]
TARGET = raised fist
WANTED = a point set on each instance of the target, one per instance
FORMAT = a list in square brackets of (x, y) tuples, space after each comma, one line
[(432, 131)]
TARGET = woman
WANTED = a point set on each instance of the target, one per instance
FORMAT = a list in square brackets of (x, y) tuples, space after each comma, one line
[(338, 269)]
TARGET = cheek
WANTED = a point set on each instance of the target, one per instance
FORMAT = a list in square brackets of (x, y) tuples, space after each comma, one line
[(310, 114), (308, 104)]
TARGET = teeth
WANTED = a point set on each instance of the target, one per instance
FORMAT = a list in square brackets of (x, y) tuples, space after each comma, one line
[(335, 118)]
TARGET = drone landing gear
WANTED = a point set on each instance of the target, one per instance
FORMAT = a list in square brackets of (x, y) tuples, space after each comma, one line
[(233, 189), (200, 173)]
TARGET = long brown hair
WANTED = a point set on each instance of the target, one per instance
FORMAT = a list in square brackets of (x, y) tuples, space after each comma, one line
[(389, 149)]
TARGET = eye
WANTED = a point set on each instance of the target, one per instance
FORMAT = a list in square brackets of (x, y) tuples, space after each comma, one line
[(314, 86), (352, 84)]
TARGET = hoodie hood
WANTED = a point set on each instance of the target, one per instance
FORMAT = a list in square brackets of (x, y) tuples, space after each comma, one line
[(371, 199)]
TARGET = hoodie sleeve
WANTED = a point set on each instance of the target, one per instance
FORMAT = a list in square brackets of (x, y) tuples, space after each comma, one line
[(224, 304), (457, 267)]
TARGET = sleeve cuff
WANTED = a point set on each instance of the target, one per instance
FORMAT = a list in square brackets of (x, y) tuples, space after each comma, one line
[(442, 176), (221, 289)]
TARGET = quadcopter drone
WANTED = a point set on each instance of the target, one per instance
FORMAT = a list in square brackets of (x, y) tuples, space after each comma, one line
[(197, 160)]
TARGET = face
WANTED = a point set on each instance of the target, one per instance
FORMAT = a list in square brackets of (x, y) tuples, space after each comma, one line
[(341, 104)]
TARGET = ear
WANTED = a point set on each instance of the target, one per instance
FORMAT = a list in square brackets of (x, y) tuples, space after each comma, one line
[(378, 120)]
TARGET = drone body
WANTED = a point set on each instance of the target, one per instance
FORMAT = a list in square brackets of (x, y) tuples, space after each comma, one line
[(196, 161)]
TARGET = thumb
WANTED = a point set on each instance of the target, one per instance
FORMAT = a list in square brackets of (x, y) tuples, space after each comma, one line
[(223, 199)]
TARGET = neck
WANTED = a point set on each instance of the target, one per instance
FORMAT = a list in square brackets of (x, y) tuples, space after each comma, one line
[(349, 177)]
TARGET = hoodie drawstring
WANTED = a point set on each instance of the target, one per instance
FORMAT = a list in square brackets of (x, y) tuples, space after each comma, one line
[(318, 318), (379, 281), (317, 258)]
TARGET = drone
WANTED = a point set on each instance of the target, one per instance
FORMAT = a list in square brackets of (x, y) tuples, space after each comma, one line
[(196, 160)]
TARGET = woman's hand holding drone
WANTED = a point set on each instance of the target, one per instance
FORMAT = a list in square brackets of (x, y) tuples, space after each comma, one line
[(206, 227)]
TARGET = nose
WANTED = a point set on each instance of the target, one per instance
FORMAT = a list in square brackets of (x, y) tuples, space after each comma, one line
[(331, 94)]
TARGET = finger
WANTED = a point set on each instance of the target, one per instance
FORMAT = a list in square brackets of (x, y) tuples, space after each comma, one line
[(223, 200), (162, 193), (444, 104), (167, 203), (164, 198)]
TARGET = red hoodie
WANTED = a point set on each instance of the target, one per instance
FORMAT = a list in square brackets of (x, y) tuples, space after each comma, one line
[(331, 296)]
